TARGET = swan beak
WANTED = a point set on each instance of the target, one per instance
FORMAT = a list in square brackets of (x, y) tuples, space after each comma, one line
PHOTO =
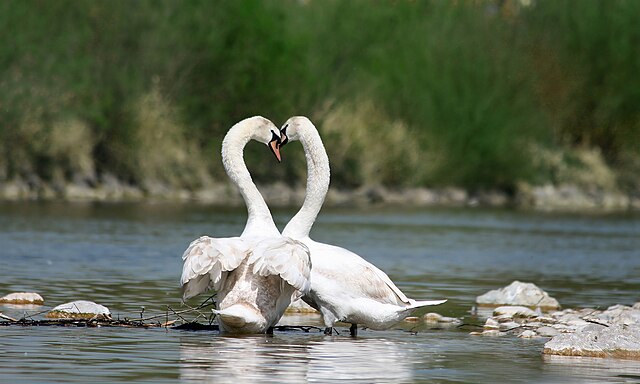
[(275, 148)]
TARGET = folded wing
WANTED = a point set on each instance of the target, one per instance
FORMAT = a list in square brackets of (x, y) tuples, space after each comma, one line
[(285, 257), (206, 262)]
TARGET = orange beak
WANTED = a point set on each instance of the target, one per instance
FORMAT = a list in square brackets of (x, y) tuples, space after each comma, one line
[(275, 148)]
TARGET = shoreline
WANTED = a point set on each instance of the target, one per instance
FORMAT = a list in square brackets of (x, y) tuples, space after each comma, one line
[(554, 198)]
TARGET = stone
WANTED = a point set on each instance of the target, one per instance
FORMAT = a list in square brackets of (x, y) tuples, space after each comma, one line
[(509, 326), (80, 309), (22, 298), (547, 331), (514, 311), (436, 318), (617, 314), (492, 332), (528, 334), (618, 341), (518, 293), (491, 324), (299, 306), (432, 317)]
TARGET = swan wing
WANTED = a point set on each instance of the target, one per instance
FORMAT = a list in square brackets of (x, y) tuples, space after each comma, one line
[(358, 274), (285, 257), (205, 262)]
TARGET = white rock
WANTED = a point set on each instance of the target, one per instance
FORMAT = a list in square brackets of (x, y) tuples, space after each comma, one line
[(547, 331), (515, 311), (449, 320), (636, 305), (528, 334), (22, 298), (597, 341), (432, 317), (518, 293), (491, 323), (509, 326), (436, 318), (300, 306), (618, 314), (80, 309), (493, 332)]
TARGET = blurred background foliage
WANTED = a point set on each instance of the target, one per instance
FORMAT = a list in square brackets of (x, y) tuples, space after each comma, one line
[(477, 94)]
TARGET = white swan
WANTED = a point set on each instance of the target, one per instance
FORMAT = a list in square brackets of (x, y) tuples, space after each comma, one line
[(257, 274), (344, 286)]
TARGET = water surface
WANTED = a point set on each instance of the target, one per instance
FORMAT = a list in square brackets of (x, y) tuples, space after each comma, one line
[(127, 256)]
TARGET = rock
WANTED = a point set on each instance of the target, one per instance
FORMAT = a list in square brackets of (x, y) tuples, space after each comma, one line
[(491, 324), (515, 311), (22, 298), (593, 340), (618, 314), (547, 331), (80, 309), (492, 332), (509, 326), (432, 317), (636, 305), (528, 334), (518, 293), (300, 306), (436, 318)]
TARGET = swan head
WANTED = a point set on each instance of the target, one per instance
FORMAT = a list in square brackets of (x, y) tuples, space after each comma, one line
[(264, 131), (291, 129)]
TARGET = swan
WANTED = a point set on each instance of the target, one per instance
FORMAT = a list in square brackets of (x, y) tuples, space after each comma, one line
[(257, 274), (344, 286)]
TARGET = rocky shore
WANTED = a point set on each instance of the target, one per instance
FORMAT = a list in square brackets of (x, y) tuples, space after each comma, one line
[(613, 332), (547, 197)]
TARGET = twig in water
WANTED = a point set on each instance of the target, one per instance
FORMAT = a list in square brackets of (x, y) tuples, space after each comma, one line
[(7, 318), (177, 314)]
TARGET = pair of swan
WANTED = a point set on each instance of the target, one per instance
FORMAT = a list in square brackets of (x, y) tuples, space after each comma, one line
[(338, 283)]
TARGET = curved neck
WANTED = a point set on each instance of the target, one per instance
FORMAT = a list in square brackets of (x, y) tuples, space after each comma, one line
[(318, 175), (259, 220)]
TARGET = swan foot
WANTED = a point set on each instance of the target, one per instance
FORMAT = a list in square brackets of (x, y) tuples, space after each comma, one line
[(270, 331), (328, 331), (353, 330)]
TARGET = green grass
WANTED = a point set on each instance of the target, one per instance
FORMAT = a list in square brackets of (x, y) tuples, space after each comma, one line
[(443, 93)]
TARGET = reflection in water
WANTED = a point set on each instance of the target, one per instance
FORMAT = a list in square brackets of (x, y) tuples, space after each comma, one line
[(275, 359), (360, 360), (249, 359), (593, 369)]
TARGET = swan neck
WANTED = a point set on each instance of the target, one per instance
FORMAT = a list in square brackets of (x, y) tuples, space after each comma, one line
[(259, 219), (318, 177)]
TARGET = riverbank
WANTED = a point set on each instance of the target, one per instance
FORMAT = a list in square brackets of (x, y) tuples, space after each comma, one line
[(566, 197)]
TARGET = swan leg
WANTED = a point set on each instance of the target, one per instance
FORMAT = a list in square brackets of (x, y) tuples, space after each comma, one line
[(328, 331), (270, 331), (353, 330)]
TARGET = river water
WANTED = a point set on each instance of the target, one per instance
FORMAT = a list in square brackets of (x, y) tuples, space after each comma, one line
[(127, 256)]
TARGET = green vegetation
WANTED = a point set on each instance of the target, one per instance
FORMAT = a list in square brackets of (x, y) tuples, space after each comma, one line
[(478, 94)]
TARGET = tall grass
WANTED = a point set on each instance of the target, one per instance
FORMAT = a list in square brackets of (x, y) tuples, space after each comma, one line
[(443, 93)]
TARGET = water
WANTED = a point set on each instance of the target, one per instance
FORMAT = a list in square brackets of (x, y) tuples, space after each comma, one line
[(126, 256)]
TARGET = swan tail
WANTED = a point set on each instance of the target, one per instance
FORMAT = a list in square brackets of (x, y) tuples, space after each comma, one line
[(424, 303)]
